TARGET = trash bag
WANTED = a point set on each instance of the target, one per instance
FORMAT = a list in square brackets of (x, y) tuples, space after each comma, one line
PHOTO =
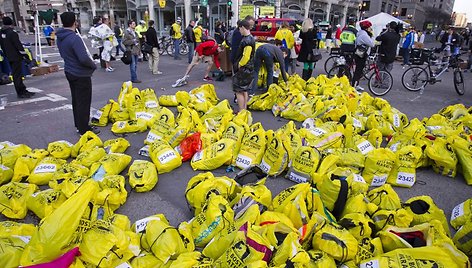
[(252, 148), (60, 149), (118, 145), (164, 157), (86, 142), (189, 146), (378, 164), (385, 197), (45, 202), (461, 214), (130, 126), (213, 157), (275, 158), (385, 218), (11, 248), (100, 117), (88, 157), (304, 164), (215, 217), (190, 260), (336, 242), (44, 170), (149, 98), (112, 192), (425, 210), (462, 238), (202, 185), (25, 164), (444, 159), (10, 154), (464, 153), (13, 198), (404, 170), (56, 230), (110, 164), (142, 175)]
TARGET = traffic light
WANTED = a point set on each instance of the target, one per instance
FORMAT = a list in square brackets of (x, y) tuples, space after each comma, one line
[(230, 2), (230, 14)]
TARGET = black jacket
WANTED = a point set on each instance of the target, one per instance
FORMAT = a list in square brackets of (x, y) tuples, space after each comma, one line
[(388, 48), (246, 41), (117, 31), (11, 45), (151, 37), (219, 36), (189, 34), (308, 44), (455, 40)]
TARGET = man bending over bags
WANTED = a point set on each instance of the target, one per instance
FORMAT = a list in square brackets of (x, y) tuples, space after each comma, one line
[(206, 52), (267, 54)]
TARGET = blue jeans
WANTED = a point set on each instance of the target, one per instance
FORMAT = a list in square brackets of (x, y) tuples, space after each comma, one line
[(262, 55), (406, 56), (119, 47), (191, 49), (176, 49), (133, 67)]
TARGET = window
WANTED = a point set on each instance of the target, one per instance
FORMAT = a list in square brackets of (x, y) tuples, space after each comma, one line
[(382, 9), (403, 13), (389, 10)]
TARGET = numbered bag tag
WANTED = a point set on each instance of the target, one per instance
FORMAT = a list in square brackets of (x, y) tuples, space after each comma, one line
[(167, 156), (121, 124), (394, 147), (365, 147), (45, 168), (379, 180), (23, 238), (457, 211), (97, 115), (197, 156), (318, 131), (433, 128), (152, 137), (295, 177), (151, 104), (2, 167), (144, 115), (141, 224), (396, 120), (404, 178), (356, 123), (370, 264), (124, 265), (243, 161), (264, 167), (359, 178)]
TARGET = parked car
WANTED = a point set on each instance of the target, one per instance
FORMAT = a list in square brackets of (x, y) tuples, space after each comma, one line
[(265, 29)]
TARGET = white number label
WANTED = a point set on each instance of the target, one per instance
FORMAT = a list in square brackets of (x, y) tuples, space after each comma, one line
[(151, 137), (98, 114), (141, 224), (197, 156), (394, 147), (457, 211), (66, 142), (3, 167), (264, 166), (317, 131), (404, 178), (379, 180), (370, 264), (45, 168), (243, 161), (365, 147), (167, 156), (396, 120), (431, 128), (25, 239), (151, 104), (297, 178), (356, 123), (144, 115), (359, 178), (124, 265), (121, 124)]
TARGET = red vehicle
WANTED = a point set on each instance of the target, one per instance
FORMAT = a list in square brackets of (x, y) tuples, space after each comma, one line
[(265, 29)]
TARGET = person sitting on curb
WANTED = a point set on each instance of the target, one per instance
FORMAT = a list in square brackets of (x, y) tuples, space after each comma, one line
[(206, 52)]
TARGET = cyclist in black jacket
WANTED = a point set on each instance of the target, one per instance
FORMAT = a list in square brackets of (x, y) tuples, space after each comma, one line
[(388, 49)]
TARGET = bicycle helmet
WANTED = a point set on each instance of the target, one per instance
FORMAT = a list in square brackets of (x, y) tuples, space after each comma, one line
[(365, 24)]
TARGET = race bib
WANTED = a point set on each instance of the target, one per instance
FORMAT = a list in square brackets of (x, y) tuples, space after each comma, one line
[(297, 178), (151, 137), (404, 178), (141, 224), (144, 115), (317, 131), (45, 168)]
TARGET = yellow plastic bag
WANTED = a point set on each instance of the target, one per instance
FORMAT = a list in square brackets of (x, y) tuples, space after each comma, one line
[(385, 218), (319, 259), (162, 123), (256, 193), (56, 230), (9, 228), (44, 170), (443, 156), (86, 142), (378, 164), (205, 92), (130, 126), (252, 147), (110, 164), (191, 260), (218, 111), (164, 157), (134, 102), (142, 175), (236, 132), (6, 174), (112, 192), (201, 185), (385, 197), (462, 238), (359, 225), (168, 100), (464, 154), (45, 202), (404, 170), (10, 154), (213, 157), (265, 101), (334, 192), (68, 170), (425, 210), (461, 214), (304, 164), (215, 217), (11, 249), (87, 157), (150, 99), (101, 116), (336, 242), (146, 260), (118, 145), (119, 115), (13, 198), (275, 158), (60, 149), (290, 251), (25, 164)]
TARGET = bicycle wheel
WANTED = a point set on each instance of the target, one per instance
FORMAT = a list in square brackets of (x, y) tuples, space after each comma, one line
[(380, 83), (170, 50), (161, 49), (339, 71), (415, 78), (368, 71), (330, 62), (183, 49), (459, 82)]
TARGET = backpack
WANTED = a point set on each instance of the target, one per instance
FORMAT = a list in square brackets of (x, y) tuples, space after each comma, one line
[(4, 79), (171, 31)]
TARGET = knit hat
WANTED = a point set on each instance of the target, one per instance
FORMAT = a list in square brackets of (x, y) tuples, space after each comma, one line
[(7, 21)]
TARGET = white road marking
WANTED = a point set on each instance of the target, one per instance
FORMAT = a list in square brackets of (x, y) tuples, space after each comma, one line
[(45, 111), (33, 89), (415, 98), (50, 97)]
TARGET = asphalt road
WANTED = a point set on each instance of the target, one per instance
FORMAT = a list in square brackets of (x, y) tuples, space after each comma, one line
[(48, 117)]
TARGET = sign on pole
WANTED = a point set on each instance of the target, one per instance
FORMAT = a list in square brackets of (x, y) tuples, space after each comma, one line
[(246, 10), (162, 3), (266, 11)]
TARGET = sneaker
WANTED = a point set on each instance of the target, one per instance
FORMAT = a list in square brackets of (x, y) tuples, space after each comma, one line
[(359, 88), (136, 81), (109, 69), (207, 79), (159, 72), (26, 95)]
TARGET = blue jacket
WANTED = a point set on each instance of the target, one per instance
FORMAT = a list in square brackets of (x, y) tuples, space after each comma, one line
[(72, 50), (409, 40), (236, 40)]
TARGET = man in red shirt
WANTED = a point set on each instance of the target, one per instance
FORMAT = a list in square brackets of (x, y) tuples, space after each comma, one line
[(337, 42), (206, 52)]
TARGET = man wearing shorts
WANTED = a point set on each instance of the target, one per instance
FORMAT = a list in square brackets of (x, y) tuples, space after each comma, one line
[(206, 52)]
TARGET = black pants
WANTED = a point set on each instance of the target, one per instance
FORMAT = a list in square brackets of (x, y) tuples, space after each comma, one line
[(81, 91), (263, 56), (360, 65), (17, 77)]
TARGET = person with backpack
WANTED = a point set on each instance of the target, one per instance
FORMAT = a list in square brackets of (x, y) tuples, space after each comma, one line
[(119, 36), (131, 43), (151, 39), (364, 42), (190, 38), (284, 37), (407, 45), (236, 37), (219, 34), (244, 65), (176, 34), (348, 37)]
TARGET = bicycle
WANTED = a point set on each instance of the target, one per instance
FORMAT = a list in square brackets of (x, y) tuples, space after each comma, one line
[(182, 45), (416, 78), (346, 60), (380, 82), (164, 41)]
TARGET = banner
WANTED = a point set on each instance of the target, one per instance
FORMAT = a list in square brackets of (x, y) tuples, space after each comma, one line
[(266, 11), (246, 10)]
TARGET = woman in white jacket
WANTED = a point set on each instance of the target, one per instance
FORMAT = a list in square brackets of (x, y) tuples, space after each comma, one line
[(364, 42)]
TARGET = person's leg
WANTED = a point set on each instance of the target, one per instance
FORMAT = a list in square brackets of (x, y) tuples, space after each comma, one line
[(132, 67), (209, 65), (81, 92), (151, 62), (257, 67), (72, 84), (311, 66), (305, 71), (406, 56), (269, 64), (360, 64), (242, 98), (190, 52), (194, 62), (20, 87), (176, 49), (155, 54)]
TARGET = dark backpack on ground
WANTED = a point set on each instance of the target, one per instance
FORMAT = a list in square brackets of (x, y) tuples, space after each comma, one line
[(4, 79)]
